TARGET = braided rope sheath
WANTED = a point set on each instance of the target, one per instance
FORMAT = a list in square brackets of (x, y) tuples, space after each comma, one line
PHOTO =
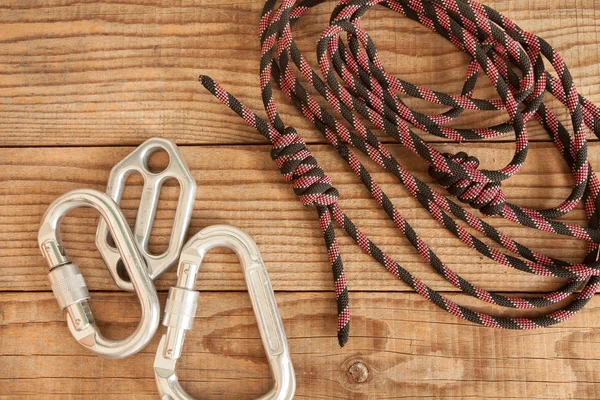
[(358, 88)]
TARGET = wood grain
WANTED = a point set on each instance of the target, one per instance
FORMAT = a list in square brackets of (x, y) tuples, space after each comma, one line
[(101, 73), (241, 186), (410, 348), (82, 82)]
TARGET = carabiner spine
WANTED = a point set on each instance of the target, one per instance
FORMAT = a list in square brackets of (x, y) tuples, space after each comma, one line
[(265, 306)]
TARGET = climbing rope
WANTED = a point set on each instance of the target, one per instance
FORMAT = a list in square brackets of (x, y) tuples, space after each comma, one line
[(354, 82)]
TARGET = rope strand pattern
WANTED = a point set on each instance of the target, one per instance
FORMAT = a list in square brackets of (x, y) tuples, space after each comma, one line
[(355, 84)]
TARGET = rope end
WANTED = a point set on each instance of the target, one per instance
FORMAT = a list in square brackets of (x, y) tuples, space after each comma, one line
[(343, 335), (205, 80)]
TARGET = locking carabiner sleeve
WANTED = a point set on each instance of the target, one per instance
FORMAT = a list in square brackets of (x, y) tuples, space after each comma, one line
[(70, 288), (181, 310)]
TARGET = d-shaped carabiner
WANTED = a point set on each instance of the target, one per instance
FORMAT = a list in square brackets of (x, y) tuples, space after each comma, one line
[(69, 286), (181, 304)]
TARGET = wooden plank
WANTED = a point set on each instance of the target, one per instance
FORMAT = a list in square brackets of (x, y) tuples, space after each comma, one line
[(241, 186), (89, 75), (410, 349), (104, 72)]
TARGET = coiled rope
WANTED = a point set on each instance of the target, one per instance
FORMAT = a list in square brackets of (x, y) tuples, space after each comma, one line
[(514, 62)]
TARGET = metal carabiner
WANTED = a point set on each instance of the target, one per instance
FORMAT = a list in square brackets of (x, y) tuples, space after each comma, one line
[(181, 305), (69, 286), (137, 161)]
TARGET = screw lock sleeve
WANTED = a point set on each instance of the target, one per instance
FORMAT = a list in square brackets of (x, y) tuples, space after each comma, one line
[(68, 285), (180, 309)]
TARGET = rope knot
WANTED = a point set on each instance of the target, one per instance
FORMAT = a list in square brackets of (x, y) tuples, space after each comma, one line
[(487, 197), (298, 165)]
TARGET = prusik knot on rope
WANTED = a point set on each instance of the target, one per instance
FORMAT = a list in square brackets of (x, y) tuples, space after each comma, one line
[(298, 165), (487, 197)]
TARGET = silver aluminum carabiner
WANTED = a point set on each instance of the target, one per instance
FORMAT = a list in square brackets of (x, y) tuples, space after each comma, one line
[(137, 161), (180, 311), (69, 286)]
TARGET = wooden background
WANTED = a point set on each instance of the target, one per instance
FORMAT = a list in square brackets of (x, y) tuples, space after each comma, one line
[(84, 81)]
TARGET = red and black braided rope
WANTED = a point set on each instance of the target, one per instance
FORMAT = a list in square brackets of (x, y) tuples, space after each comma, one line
[(498, 47)]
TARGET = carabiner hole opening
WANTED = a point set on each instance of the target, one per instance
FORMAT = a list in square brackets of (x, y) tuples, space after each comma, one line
[(110, 241), (116, 313), (157, 160), (122, 271), (161, 232), (226, 335)]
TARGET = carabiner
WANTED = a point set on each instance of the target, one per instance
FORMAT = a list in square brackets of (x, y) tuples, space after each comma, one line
[(137, 161), (69, 286), (181, 305)]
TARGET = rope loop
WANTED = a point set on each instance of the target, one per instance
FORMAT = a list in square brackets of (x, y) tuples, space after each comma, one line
[(298, 165), (356, 87), (486, 197)]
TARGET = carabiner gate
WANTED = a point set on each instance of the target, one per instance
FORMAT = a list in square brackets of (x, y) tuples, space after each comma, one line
[(181, 305), (70, 288), (137, 161)]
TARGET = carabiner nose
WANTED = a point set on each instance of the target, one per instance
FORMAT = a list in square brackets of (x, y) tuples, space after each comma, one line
[(69, 286), (181, 310)]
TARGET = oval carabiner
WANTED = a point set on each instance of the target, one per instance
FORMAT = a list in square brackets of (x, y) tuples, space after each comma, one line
[(180, 311), (69, 286), (137, 161)]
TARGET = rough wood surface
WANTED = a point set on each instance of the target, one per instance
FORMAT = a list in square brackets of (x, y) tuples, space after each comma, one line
[(410, 350), (241, 186), (100, 72), (81, 82)]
